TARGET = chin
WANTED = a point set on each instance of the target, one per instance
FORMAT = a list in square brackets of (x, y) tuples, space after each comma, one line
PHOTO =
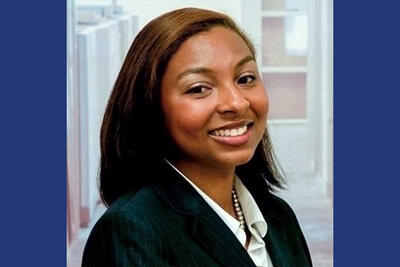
[(237, 159)]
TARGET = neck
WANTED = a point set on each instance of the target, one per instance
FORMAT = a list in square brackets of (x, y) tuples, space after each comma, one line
[(216, 182)]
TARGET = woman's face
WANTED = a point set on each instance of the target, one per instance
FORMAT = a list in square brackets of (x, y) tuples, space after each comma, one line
[(214, 101)]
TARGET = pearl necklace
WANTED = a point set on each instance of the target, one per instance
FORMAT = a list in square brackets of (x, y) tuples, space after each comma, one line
[(238, 210)]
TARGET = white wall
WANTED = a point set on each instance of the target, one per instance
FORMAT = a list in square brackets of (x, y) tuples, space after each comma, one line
[(147, 10)]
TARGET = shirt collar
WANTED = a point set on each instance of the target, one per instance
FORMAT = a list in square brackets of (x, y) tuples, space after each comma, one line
[(251, 211)]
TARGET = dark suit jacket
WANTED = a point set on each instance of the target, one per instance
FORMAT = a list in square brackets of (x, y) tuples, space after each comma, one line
[(169, 224)]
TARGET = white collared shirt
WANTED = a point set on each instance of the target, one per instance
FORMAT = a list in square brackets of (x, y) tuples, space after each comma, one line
[(253, 217)]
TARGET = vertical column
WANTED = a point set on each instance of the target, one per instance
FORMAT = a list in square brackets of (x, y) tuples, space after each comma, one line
[(73, 144), (251, 13)]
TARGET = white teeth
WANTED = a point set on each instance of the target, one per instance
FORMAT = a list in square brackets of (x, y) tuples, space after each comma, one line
[(231, 132)]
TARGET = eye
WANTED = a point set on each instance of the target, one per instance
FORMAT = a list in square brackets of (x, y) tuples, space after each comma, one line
[(198, 90), (246, 79)]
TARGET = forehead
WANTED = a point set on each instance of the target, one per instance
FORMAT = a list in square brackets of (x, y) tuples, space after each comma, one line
[(210, 49)]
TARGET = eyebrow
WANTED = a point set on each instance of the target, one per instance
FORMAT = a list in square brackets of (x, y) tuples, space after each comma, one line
[(244, 61), (207, 70)]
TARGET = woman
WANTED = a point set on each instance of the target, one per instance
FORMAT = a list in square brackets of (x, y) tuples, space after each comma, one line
[(186, 164)]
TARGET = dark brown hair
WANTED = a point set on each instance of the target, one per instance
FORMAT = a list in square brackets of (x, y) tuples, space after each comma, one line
[(133, 137)]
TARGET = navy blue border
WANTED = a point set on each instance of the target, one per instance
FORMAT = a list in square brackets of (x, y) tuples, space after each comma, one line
[(33, 132), (366, 135)]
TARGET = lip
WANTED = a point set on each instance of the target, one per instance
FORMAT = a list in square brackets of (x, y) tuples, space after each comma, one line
[(234, 140), (231, 125)]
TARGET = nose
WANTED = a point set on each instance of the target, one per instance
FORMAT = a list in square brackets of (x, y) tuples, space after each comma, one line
[(232, 100)]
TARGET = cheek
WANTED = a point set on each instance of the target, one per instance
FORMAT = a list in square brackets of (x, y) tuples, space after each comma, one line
[(187, 120), (260, 103), (265, 105)]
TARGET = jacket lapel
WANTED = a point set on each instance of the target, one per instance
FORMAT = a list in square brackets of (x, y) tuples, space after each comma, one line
[(217, 239), (208, 230)]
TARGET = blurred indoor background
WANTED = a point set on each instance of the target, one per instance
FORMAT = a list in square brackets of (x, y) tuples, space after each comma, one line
[(294, 41)]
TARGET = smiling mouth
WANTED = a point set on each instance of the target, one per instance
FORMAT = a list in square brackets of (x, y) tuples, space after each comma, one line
[(232, 132)]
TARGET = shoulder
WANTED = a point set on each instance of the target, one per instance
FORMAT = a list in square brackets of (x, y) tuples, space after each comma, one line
[(142, 210), (136, 202), (279, 211), (280, 205), (131, 228), (284, 220)]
